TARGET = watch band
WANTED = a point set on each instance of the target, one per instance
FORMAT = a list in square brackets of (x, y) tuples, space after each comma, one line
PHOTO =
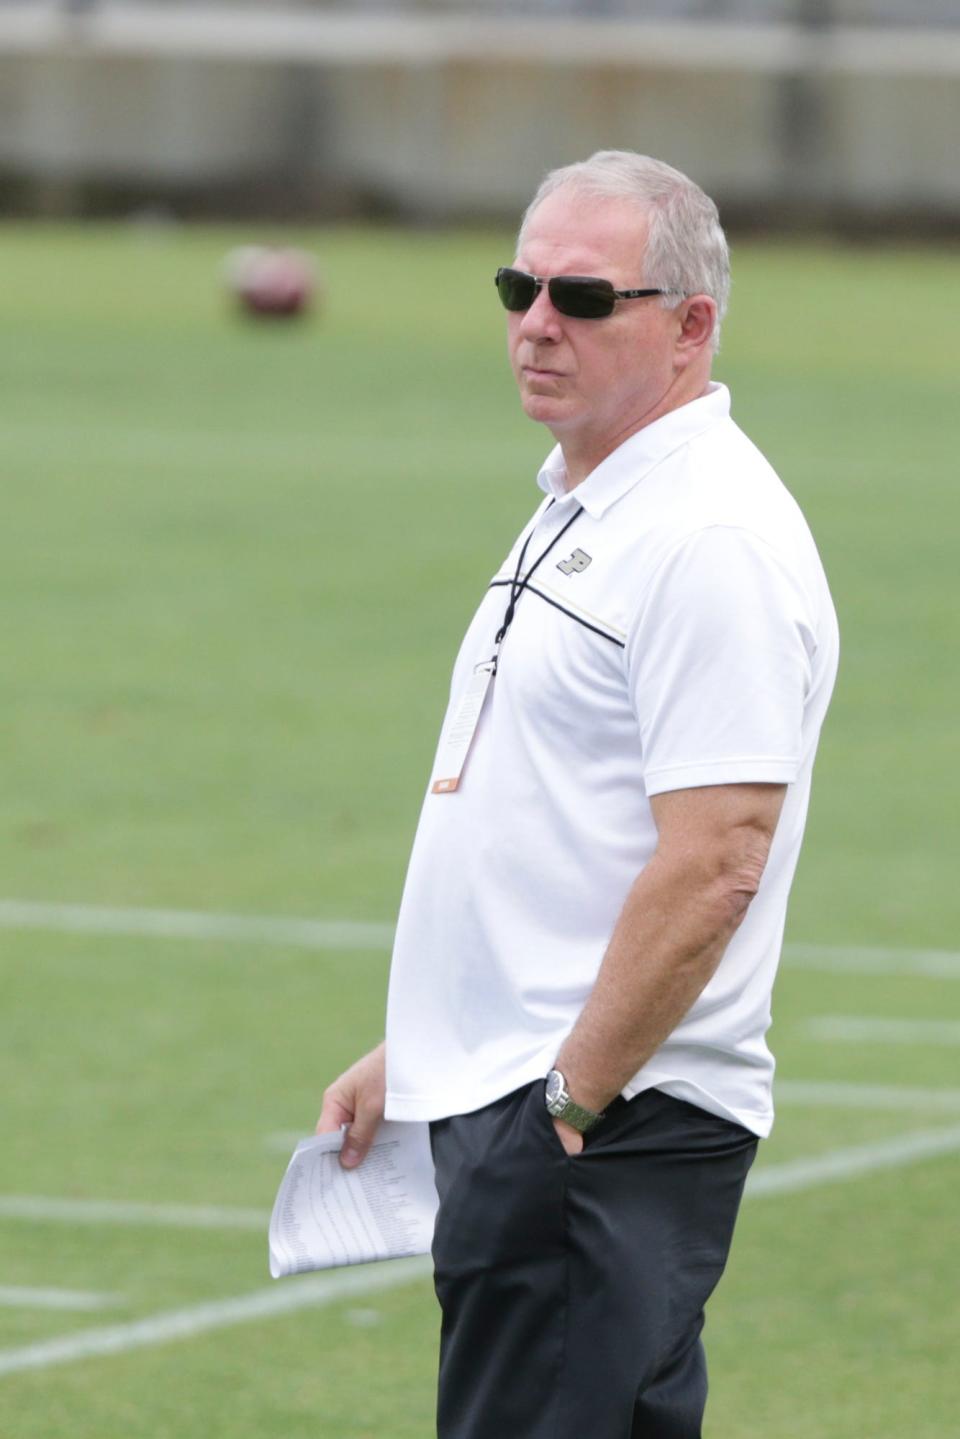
[(561, 1106), (577, 1117)]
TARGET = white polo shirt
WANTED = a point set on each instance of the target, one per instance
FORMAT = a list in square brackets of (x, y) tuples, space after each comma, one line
[(680, 633)]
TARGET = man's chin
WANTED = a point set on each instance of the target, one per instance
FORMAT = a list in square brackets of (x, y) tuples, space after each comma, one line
[(546, 409)]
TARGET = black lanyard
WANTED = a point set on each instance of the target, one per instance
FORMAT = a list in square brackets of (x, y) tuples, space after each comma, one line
[(518, 585)]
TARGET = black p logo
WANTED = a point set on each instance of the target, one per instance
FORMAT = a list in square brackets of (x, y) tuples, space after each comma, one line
[(576, 564)]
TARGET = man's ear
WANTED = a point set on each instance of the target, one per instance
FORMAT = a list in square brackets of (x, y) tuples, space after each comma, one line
[(697, 319)]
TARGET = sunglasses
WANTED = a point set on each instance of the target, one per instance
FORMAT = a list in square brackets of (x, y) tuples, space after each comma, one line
[(581, 296)]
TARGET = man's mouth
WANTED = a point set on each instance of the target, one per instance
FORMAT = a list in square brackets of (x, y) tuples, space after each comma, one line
[(537, 372)]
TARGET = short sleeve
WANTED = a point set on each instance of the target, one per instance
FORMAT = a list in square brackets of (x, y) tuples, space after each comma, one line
[(719, 664)]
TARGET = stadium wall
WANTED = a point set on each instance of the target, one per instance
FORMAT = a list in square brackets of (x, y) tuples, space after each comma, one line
[(321, 114)]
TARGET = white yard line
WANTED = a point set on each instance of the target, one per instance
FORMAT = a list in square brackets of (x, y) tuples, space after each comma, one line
[(361, 935), (790, 1177), (122, 1212), (836, 1164), (841, 1164), (301, 1293), (283, 1141), (868, 959), (190, 924), (864, 1029), (796, 1093), (15, 1296), (832, 1095)]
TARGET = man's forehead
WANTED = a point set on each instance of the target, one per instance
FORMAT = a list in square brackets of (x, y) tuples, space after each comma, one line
[(576, 230)]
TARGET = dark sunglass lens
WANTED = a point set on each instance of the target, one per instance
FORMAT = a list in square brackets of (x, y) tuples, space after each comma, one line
[(516, 289), (582, 297)]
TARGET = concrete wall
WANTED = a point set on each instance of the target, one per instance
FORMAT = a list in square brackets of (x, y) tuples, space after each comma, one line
[(775, 126)]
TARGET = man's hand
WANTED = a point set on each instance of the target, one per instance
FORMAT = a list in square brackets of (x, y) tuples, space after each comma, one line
[(357, 1099), (570, 1138)]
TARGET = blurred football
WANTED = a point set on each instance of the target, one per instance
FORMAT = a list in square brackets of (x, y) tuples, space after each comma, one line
[(267, 281)]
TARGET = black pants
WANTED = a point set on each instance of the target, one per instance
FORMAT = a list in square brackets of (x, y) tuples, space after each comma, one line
[(572, 1289)]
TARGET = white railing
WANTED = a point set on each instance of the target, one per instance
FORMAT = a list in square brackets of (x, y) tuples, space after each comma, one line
[(356, 36), (806, 13)]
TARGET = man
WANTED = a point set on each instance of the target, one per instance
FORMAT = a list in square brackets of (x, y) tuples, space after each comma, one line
[(595, 903)]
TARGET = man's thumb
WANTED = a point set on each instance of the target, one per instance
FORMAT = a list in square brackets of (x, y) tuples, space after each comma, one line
[(356, 1143)]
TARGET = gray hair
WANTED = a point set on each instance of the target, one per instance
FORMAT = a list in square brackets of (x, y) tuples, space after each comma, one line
[(686, 250)]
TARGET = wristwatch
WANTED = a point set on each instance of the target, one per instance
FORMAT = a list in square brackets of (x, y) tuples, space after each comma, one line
[(560, 1106)]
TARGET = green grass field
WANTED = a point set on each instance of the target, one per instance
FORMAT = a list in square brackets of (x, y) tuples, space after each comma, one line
[(235, 561)]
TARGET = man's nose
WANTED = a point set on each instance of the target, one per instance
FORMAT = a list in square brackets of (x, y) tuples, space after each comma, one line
[(542, 320)]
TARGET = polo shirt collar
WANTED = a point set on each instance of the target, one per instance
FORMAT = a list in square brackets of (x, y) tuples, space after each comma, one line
[(637, 456)]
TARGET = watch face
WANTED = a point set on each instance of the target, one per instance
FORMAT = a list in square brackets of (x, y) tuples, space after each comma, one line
[(554, 1087)]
